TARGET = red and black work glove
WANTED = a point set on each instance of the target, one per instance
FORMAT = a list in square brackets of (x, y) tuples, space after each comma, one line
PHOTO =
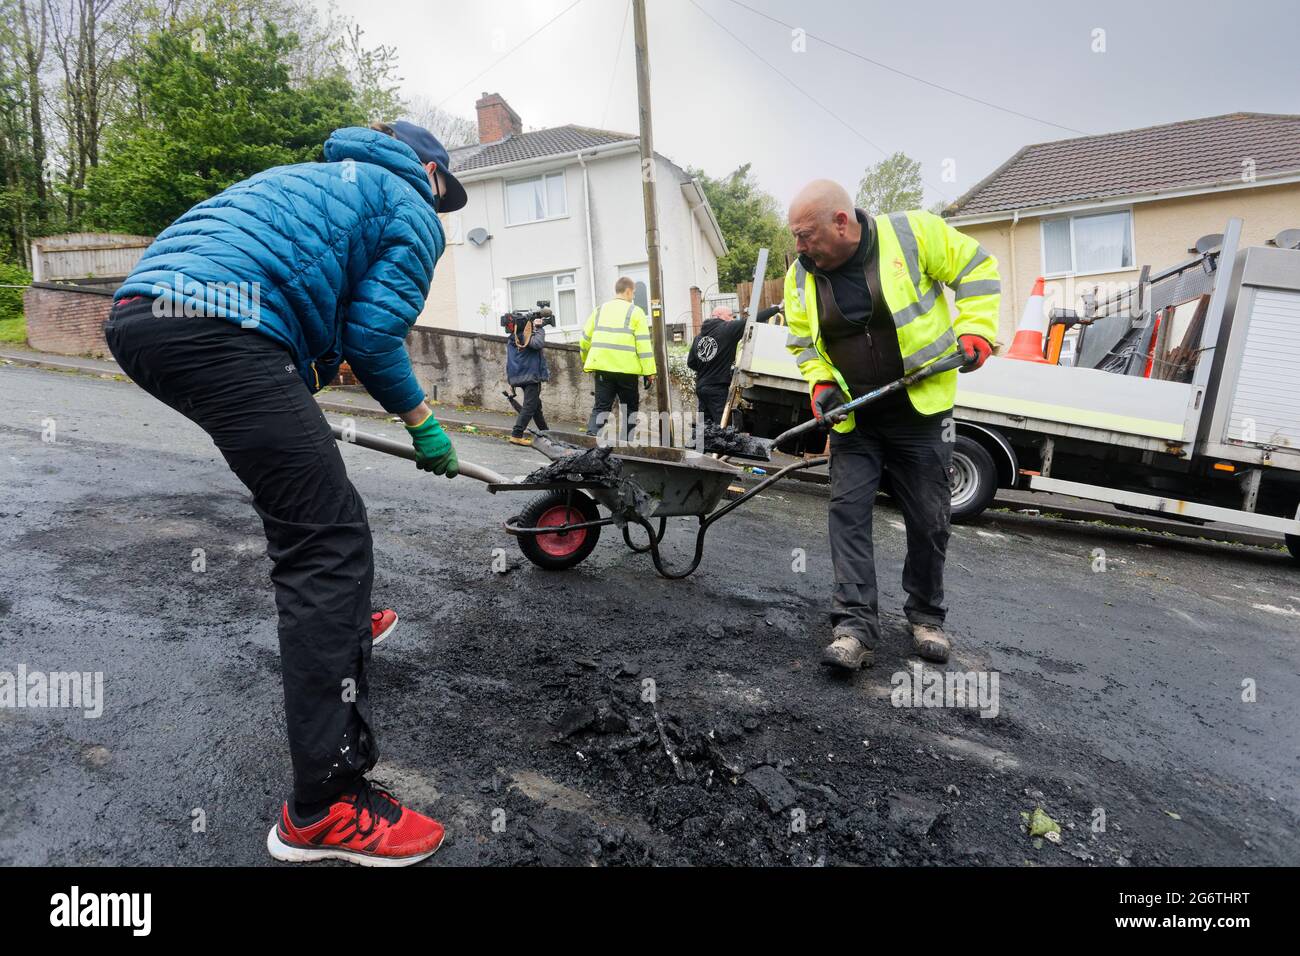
[(977, 349), (826, 397)]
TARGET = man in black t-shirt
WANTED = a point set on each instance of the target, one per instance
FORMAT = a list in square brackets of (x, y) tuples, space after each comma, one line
[(712, 356)]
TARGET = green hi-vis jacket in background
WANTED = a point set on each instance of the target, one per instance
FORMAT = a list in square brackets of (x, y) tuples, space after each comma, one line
[(915, 251), (616, 338)]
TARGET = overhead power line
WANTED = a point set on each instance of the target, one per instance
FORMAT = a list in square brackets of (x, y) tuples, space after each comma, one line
[(613, 73), (824, 108), (829, 112), (493, 65), (911, 76)]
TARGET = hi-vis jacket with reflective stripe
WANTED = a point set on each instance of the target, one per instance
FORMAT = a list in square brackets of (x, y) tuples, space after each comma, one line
[(617, 339), (914, 252)]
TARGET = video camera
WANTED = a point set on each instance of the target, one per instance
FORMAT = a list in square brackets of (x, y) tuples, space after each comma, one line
[(521, 316)]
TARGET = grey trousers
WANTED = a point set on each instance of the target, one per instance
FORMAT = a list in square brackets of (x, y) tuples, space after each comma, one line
[(918, 460)]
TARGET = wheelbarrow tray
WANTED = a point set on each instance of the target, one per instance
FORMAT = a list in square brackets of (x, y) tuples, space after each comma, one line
[(679, 481)]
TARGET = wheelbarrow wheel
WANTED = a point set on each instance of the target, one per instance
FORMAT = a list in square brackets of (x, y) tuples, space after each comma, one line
[(560, 550)]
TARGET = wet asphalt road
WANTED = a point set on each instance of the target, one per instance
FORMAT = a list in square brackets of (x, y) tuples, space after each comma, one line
[(1120, 691)]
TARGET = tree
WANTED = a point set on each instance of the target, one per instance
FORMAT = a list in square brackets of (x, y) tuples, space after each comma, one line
[(750, 219), (90, 38), (26, 205), (371, 71), (217, 108), (451, 130), (33, 48), (892, 185)]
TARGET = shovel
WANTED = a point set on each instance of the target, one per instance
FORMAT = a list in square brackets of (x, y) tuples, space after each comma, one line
[(749, 447), (401, 450)]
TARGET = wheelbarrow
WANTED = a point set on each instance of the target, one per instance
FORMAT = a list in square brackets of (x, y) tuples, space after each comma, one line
[(560, 527), (643, 487)]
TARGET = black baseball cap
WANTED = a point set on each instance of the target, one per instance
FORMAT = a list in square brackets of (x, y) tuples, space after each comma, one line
[(429, 150)]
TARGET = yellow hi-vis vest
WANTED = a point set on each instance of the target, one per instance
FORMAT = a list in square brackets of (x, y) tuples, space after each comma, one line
[(917, 251), (616, 338)]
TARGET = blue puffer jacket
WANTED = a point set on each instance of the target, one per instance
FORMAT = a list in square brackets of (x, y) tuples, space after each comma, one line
[(335, 259)]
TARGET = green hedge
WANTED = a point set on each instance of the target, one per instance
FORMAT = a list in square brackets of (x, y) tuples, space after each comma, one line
[(12, 326)]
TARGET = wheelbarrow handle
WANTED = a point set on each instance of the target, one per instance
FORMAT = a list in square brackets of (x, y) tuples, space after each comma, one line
[(401, 450), (956, 360)]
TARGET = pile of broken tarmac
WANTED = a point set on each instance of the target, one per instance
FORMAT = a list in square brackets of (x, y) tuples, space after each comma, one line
[(598, 465), (636, 773), (729, 441), (593, 464)]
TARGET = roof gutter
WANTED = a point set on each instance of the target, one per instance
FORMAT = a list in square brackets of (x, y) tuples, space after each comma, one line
[(1226, 185), (494, 171)]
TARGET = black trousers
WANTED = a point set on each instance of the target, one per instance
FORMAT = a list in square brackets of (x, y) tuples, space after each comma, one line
[(243, 390), (712, 400), (918, 458), (614, 387), (530, 409)]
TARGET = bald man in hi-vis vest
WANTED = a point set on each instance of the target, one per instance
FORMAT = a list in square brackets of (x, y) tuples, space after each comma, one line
[(864, 307)]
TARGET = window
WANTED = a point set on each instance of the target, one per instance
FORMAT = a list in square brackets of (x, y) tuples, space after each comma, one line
[(1076, 245), (560, 290), (451, 227), (535, 199)]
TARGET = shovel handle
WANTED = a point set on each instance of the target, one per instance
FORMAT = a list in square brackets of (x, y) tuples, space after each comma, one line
[(400, 450), (956, 360)]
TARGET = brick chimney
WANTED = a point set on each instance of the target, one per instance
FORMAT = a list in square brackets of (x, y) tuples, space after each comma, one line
[(496, 120)]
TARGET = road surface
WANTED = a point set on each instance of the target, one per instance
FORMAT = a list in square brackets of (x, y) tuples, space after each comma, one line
[(1149, 708)]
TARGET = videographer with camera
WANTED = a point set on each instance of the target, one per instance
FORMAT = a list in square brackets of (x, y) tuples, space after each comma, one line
[(526, 365)]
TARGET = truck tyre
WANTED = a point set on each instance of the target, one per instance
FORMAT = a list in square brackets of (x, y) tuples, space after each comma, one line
[(973, 478), (562, 550), (1293, 545)]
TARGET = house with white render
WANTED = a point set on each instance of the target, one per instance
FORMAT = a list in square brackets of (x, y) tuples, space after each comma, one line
[(557, 215)]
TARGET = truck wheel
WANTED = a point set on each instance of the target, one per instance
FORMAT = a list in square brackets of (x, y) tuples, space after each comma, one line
[(973, 478), (559, 550), (1293, 545)]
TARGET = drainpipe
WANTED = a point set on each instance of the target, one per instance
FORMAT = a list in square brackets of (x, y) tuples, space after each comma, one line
[(586, 210), (1015, 292)]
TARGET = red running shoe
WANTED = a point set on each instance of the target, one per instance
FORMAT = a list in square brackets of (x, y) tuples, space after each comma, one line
[(365, 825), (382, 624)]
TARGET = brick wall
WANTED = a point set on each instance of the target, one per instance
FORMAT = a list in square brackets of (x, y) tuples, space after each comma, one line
[(67, 320)]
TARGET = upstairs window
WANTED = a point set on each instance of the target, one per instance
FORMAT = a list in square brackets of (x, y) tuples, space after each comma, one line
[(536, 198)]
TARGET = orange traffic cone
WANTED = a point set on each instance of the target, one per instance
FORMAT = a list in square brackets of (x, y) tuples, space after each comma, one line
[(1028, 343)]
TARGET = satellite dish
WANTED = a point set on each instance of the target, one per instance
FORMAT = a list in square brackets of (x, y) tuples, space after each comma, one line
[(1208, 242), (1287, 239), (478, 235)]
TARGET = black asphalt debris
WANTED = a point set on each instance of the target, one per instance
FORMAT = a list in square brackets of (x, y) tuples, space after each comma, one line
[(593, 464), (729, 441), (772, 788)]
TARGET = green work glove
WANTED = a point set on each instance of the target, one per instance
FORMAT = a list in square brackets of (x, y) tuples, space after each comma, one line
[(433, 451)]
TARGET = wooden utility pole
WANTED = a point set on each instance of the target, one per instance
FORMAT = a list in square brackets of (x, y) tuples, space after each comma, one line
[(657, 311)]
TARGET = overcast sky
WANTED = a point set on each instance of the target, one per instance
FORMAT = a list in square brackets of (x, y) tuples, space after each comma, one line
[(717, 104)]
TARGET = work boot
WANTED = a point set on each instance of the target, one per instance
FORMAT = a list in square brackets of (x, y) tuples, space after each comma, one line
[(365, 825), (519, 440), (931, 642), (848, 652), (382, 624)]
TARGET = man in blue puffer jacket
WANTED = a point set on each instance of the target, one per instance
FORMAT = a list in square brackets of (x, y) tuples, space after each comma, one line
[(238, 312)]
